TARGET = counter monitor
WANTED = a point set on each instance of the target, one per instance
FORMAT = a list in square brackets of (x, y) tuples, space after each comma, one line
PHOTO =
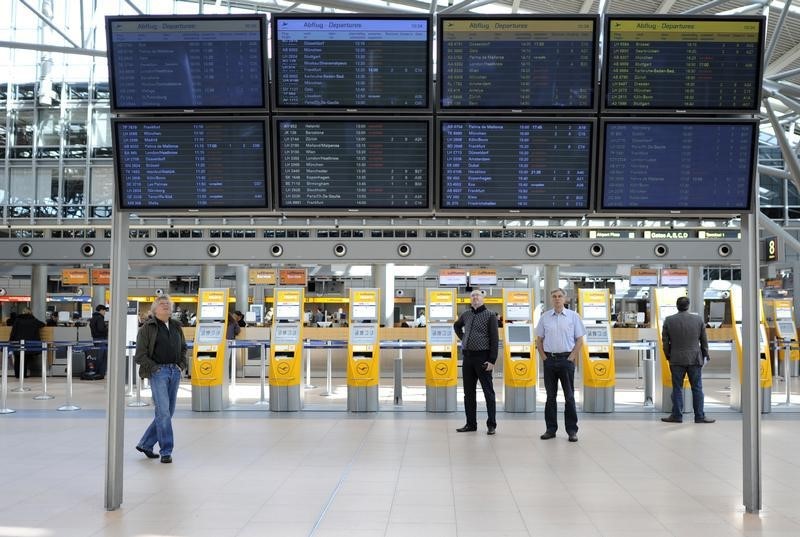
[(683, 63), (493, 165), (351, 61), (191, 164), (517, 63), (519, 334), (184, 62)]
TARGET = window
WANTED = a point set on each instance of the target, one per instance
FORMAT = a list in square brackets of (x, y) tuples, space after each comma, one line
[(102, 186)]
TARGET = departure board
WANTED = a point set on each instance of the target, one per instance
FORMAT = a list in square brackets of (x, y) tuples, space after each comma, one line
[(353, 164), (517, 62), (191, 164), (674, 166), (683, 63), (515, 165), (187, 62), (351, 62)]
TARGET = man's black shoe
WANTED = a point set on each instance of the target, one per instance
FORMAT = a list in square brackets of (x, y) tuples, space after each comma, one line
[(491, 430), (548, 435), (467, 429), (147, 452), (670, 419), (573, 437), (166, 459), (705, 420)]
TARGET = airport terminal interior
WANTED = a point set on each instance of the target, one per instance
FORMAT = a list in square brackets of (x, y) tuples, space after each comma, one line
[(319, 187)]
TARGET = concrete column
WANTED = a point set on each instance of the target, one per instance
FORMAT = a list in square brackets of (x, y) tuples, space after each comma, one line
[(98, 295), (207, 275), (796, 286), (696, 290), (534, 274), (242, 287), (550, 282), (383, 276), (39, 291)]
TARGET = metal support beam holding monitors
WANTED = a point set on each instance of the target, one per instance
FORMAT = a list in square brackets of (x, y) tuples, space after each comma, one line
[(519, 351), (441, 351), (597, 353), (286, 350), (209, 372), (363, 351)]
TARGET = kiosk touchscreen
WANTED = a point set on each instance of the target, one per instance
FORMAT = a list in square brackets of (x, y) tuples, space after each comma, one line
[(209, 372), (363, 351), (441, 351), (519, 351), (286, 351), (597, 360)]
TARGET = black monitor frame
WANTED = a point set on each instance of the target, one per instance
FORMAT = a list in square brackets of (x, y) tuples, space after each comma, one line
[(666, 211), (351, 211), (441, 109), (609, 19), (194, 210), (355, 109), (499, 211), (232, 107)]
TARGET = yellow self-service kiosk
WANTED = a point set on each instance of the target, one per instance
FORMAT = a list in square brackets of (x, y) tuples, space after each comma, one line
[(663, 307), (363, 351), (286, 351), (784, 330), (597, 360), (441, 351), (764, 362), (519, 351), (209, 372)]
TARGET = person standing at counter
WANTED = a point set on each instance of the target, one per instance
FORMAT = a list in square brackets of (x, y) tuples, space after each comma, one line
[(27, 328), (477, 330), (99, 328), (161, 354), (685, 344), (559, 338)]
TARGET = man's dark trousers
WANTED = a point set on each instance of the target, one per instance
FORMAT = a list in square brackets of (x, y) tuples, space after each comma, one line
[(472, 372), (555, 370)]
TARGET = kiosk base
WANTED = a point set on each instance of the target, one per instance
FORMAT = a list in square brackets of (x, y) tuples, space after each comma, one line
[(439, 399), (598, 400), (766, 400), (520, 399), (210, 398), (362, 398), (285, 398)]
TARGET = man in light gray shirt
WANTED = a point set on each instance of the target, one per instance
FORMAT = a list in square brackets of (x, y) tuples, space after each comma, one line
[(559, 338)]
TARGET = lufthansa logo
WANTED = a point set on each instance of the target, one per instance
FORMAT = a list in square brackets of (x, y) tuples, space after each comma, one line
[(441, 369), (520, 369), (362, 368), (205, 369), (600, 369), (283, 368)]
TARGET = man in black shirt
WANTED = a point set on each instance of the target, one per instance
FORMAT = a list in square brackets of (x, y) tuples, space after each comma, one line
[(477, 330)]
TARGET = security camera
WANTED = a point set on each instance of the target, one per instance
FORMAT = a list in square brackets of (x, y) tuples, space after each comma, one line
[(276, 250), (150, 249), (340, 250), (532, 250), (661, 250), (596, 249), (213, 250), (724, 250), (25, 249), (403, 250), (87, 250), (159, 292), (468, 250)]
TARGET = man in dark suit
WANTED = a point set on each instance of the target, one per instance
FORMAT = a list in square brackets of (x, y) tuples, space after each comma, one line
[(686, 347)]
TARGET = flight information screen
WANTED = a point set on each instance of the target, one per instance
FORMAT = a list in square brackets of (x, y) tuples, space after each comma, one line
[(191, 164), (515, 165), (183, 62), (511, 63), (684, 63), (353, 62), (353, 164), (678, 166)]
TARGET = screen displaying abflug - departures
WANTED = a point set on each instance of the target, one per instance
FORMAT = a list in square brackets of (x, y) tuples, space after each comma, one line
[(353, 164), (711, 63), (675, 166), (517, 62), (351, 61), (515, 165), (184, 62), (191, 164)]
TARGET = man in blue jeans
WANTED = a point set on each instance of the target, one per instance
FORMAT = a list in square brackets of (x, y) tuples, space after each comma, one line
[(685, 345), (161, 354)]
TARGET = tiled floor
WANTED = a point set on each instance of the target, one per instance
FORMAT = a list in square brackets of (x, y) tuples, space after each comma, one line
[(323, 474)]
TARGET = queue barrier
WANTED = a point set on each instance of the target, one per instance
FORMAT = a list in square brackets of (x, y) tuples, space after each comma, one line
[(787, 346)]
